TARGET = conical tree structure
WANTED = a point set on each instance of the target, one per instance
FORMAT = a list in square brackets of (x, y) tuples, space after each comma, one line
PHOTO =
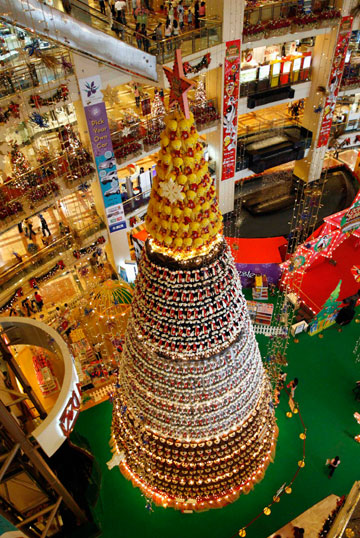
[(193, 423)]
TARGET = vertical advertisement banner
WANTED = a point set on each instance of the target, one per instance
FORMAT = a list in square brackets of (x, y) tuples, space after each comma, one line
[(230, 107), (335, 79), (99, 131)]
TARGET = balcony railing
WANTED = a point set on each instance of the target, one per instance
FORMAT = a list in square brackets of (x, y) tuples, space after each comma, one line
[(21, 75), (144, 136), (31, 262), (281, 18), (26, 194), (208, 35), (134, 203)]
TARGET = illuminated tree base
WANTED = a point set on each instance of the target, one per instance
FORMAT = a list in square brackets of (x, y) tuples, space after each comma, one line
[(200, 504)]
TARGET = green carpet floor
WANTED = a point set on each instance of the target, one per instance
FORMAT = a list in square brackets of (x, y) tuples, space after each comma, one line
[(327, 372)]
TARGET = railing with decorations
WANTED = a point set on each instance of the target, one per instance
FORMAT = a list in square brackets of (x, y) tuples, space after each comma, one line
[(191, 41), (15, 272)]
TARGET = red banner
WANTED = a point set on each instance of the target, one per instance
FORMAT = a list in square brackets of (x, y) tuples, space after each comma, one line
[(230, 107), (335, 79)]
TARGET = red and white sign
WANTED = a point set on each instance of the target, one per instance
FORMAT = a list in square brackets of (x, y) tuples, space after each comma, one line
[(335, 79), (71, 411), (230, 107)]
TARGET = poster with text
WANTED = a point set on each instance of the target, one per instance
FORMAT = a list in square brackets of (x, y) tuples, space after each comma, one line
[(100, 136), (230, 107), (335, 79)]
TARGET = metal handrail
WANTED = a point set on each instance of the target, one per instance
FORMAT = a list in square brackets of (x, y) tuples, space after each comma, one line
[(163, 49)]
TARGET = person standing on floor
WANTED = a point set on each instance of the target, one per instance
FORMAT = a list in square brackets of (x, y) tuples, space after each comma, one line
[(335, 462), (196, 9), (102, 7), (292, 386), (39, 301), (44, 225), (168, 33), (180, 11), (26, 304), (171, 14), (30, 229), (145, 40)]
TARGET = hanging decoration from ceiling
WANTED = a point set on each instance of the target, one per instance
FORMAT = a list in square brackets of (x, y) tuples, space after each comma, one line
[(61, 94), (203, 64)]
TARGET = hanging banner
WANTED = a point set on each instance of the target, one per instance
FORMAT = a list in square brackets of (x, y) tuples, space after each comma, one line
[(100, 136), (230, 107), (146, 106), (335, 79)]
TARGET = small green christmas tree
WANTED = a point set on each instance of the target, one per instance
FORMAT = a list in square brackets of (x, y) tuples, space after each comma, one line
[(326, 316)]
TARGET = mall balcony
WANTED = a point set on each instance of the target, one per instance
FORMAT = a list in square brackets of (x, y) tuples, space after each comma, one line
[(135, 138), (268, 21), (190, 40), (24, 259)]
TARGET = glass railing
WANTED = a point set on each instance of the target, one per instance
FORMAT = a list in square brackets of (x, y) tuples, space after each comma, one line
[(134, 203), (144, 135), (31, 262), (19, 75), (25, 194), (208, 35), (270, 19)]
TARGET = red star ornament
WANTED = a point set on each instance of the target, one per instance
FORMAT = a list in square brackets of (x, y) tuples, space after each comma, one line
[(179, 84)]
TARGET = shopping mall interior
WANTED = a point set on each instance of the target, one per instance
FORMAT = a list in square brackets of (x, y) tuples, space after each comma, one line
[(179, 268)]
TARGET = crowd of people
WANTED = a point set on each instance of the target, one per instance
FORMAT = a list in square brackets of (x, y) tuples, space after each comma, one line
[(178, 18)]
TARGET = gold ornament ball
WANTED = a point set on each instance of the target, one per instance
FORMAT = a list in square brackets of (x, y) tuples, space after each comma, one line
[(349, 533), (357, 320), (242, 532), (267, 511), (302, 435), (301, 463), (276, 499), (288, 490), (296, 410), (289, 414)]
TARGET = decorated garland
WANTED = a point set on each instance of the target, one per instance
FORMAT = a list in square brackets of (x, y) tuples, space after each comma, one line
[(86, 250), (18, 293), (9, 112), (203, 64), (61, 94), (36, 280)]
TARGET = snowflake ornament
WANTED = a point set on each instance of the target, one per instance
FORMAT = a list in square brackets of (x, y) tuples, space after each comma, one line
[(171, 190)]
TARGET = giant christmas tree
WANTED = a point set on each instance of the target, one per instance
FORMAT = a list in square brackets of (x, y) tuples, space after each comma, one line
[(193, 424)]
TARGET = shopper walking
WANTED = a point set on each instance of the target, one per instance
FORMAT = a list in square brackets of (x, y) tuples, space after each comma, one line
[(180, 12), (30, 229), (335, 462), (26, 304), (44, 225), (39, 301), (145, 40), (168, 33), (102, 7), (196, 10), (138, 37)]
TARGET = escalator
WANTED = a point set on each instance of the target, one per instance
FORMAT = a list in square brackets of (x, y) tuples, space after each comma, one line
[(63, 29)]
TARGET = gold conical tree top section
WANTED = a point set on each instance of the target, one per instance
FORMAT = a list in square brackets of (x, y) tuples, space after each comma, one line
[(183, 217)]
